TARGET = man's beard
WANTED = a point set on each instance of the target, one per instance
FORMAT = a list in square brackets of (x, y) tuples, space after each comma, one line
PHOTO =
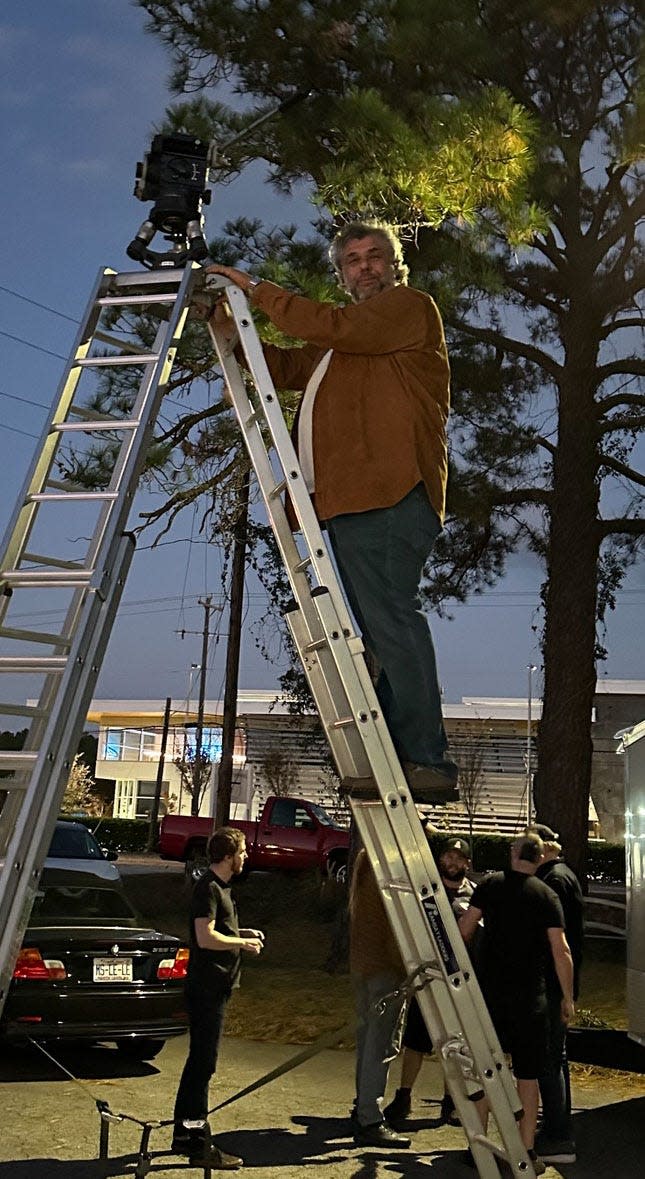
[(455, 875)]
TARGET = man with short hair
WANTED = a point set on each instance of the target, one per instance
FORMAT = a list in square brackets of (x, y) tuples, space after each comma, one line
[(216, 942), (454, 863), (371, 438), (523, 931), (554, 1141)]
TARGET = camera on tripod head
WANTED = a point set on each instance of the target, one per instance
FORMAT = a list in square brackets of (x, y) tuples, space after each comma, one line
[(173, 174)]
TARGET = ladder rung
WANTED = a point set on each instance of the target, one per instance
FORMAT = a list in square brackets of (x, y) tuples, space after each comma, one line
[(34, 636), (304, 564), (43, 497), (135, 300), (91, 415), (21, 710), (278, 489), (111, 361), (31, 663), (57, 562), (316, 644), (34, 577), (96, 424), (124, 345), (16, 760)]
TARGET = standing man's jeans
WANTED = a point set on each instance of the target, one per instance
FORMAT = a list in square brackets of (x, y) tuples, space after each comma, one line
[(376, 1042), (206, 1013), (381, 556), (554, 1083)]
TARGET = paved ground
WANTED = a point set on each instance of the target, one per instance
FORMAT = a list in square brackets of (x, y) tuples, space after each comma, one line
[(289, 1129)]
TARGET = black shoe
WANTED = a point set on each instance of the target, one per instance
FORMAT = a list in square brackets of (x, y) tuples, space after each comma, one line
[(218, 1158), (379, 1134), (399, 1108), (433, 785), (555, 1150), (448, 1111)]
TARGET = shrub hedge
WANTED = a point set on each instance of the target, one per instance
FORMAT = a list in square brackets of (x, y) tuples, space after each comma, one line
[(117, 835), (606, 862)]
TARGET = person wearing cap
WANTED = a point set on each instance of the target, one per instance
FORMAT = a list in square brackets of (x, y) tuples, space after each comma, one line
[(523, 934), (454, 863), (555, 1142)]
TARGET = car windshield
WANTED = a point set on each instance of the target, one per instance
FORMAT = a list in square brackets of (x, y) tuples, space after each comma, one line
[(72, 904), (74, 843)]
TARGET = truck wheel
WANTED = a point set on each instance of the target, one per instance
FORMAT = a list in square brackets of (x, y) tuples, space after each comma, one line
[(196, 864)]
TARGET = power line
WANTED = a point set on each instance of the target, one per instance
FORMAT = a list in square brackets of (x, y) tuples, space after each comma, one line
[(34, 303), (36, 347), (25, 400)]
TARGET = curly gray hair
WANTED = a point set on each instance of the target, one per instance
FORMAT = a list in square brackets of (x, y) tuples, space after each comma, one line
[(354, 231)]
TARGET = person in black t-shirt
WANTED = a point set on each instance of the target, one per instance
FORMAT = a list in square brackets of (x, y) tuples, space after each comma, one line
[(523, 932), (555, 1141), (216, 942)]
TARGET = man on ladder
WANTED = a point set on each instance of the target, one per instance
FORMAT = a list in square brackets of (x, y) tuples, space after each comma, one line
[(371, 438)]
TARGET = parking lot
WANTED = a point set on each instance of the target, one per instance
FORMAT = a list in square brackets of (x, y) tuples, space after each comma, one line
[(297, 1123)]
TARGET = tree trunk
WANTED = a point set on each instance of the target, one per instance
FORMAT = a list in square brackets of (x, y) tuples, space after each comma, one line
[(564, 735)]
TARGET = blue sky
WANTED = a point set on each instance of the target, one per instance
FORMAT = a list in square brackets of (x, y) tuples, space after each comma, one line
[(81, 89)]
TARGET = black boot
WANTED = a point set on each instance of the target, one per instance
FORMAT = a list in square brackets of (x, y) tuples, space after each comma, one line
[(399, 1108)]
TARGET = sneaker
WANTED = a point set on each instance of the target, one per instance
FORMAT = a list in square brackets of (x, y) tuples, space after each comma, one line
[(379, 1134), (552, 1150), (399, 1108), (432, 785)]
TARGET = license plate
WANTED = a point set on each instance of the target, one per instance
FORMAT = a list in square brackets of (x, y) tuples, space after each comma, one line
[(112, 970)]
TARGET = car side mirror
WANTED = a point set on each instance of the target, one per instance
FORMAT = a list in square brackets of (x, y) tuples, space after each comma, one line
[(109, 855)]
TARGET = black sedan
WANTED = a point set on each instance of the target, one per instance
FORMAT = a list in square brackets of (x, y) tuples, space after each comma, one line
[(88, 971)]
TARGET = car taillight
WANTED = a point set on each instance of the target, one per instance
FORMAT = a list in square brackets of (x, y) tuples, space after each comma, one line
[(31, 965), (174, 967)]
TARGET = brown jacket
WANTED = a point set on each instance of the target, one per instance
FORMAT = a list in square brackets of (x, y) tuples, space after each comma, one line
[(379, 423), (372, 948)]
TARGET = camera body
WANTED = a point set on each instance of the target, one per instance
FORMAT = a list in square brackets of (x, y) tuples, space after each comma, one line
[(173, 174)]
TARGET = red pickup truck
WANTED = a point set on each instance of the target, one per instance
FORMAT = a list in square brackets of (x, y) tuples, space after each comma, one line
[(291, 834)]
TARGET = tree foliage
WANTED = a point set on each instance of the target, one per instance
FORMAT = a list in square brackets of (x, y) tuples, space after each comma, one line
[(505, 143)]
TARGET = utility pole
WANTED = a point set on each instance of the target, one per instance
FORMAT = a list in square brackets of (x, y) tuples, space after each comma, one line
[(529, 747), (154, 813), (199, 729), (229, 717)]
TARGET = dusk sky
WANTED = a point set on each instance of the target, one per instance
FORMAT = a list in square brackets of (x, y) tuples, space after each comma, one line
[(82, 88)]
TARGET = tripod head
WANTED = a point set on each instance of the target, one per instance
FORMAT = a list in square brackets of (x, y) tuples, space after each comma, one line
[(174, 174)]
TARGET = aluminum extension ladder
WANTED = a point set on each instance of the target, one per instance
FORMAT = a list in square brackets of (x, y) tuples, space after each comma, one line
[(332, 654), (78, 579)]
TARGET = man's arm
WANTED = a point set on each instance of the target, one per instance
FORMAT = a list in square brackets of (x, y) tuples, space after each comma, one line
[(209, 938), (563, 963), (392, 321), (469, 922)]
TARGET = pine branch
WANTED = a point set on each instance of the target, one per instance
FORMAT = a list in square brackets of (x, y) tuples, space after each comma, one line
[(614, 464), (515, 347), (620, 399), (627, 365), (627, 525), (634, 422)]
